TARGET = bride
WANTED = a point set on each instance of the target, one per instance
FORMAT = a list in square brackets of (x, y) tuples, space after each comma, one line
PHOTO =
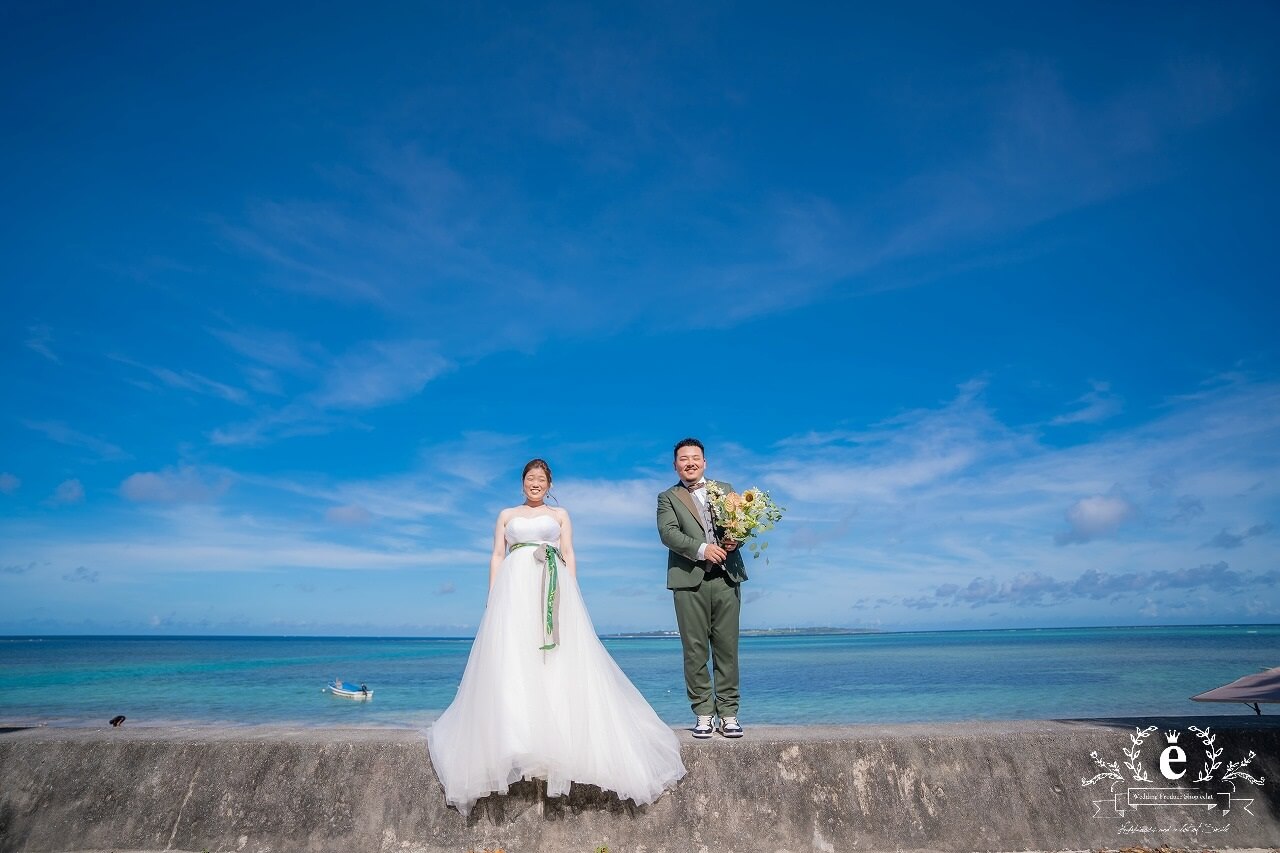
[(540, 697)]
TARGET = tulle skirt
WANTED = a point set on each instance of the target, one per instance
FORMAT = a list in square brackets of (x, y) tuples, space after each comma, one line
[(565, 715)]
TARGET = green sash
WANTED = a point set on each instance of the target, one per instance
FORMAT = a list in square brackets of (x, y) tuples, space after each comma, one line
[(546, 556)]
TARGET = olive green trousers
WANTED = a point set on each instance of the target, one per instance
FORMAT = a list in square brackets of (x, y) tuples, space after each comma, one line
[(708, 619)]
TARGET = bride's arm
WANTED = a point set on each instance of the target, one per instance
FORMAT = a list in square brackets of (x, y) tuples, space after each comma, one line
[(499, 547), (566, 543)]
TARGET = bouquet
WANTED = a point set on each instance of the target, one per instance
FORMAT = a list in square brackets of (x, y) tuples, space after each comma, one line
[(743, 516)]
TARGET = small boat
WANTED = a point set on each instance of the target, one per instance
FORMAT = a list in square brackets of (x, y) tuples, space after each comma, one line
[(347, 690)]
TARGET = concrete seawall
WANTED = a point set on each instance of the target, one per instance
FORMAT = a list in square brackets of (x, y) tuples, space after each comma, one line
[(951, 787)]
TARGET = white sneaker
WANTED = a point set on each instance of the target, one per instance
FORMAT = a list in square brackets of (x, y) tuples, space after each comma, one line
[(703, 727), (729, 727)]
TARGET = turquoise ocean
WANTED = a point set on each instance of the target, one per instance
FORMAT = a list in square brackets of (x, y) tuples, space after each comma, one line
[(792, 679)]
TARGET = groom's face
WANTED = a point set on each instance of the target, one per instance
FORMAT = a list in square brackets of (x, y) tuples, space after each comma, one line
[(690, 464)]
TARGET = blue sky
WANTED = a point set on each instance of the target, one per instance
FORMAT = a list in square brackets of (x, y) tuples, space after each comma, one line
[(986, 297)]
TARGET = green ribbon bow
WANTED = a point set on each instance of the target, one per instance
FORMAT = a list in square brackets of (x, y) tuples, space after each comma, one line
[(546, 556)]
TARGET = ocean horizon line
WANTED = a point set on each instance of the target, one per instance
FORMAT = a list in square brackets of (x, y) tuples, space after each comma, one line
[(761, 633)]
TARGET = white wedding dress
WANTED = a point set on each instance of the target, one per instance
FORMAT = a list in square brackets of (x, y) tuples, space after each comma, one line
[(564, 715)]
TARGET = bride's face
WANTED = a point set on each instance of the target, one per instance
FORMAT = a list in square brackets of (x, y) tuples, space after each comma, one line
[(536, 485)]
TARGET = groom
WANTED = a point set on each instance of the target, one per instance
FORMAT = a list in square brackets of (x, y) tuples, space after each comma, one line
[(704, 573)]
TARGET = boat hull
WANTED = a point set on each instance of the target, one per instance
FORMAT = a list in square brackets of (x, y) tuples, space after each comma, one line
[(345, 692)]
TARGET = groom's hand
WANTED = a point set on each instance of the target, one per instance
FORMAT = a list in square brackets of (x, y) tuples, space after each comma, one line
[(715, 554)]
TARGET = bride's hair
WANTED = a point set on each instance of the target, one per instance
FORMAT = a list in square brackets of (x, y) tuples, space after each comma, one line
[(537, 463)]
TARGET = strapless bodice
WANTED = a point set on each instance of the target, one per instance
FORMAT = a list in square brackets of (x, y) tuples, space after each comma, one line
[(539, 528)]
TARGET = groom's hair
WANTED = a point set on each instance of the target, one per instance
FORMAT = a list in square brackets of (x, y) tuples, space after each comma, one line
[(687, 442)]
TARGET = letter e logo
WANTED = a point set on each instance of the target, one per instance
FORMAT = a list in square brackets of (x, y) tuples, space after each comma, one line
[(1172, 755)]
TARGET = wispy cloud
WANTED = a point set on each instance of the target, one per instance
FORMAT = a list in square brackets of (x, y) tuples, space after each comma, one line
[(9, 483), (379, 373), (912, 451), (81, 575), (402, 233), (1187, 508), (63, 434), (274, 349), (1033, 589), (1095, 406), (371, 375), (273, 357), (1226, 539), (39, 338), (405, 233), (448, 480), (290, 421), (201, 538), (1048, 150), (188, 380)]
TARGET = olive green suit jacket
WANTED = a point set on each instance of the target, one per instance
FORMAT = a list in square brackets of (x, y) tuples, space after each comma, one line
[(681, 528)]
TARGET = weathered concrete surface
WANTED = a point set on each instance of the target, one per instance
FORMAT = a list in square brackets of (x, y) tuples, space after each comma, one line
[(955, 787)]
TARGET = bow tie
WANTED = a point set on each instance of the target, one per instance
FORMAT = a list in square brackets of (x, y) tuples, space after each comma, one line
[(695, 486)]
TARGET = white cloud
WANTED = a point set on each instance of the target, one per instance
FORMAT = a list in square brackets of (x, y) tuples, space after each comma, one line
[(68, 492), (350, 515), (9, 483), (1098, 515), (184, 484)]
